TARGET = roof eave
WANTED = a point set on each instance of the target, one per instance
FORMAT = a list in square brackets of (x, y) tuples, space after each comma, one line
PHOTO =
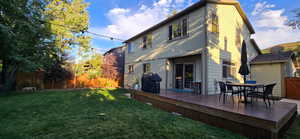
[(181, 13), (268, 62)]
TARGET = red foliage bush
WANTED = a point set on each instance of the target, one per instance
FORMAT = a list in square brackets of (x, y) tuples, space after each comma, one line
[(84, 81)]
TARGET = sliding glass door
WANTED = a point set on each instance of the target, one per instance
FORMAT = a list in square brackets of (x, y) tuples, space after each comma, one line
[(184, 76)]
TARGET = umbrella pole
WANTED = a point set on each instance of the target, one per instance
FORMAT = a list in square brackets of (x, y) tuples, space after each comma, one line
[(244, 78)]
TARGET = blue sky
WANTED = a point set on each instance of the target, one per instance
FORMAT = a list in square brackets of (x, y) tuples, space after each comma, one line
[(124, 18)]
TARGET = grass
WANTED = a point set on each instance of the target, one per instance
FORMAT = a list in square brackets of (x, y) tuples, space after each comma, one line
[(98, 114)]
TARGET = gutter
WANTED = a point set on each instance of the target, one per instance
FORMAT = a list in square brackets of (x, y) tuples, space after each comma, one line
[(268, 62)]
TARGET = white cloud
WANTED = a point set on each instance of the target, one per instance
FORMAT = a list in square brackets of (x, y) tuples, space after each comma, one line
[(260, 6), (162, 3), (272, 18), (179, 1), (117, 11), (270, 26), (126, 23)]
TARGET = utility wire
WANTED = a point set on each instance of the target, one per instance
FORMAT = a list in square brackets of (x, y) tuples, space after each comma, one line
[(96, 34)]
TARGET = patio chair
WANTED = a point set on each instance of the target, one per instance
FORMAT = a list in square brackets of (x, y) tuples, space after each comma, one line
[(233, 90), (227, 89), (222, 86), (265, 93)]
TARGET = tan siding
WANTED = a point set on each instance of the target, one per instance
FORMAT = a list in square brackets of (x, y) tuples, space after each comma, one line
[(230, 23), (157, 66), (268, 73), (163, 48)]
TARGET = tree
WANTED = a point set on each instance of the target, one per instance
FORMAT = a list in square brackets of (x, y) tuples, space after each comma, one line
[(22, 38), (35, 34), (58, 71), (295, 22), (68, 20), (91, 66)]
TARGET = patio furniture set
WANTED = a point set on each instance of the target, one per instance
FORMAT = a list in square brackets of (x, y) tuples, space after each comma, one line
[(248, 89)]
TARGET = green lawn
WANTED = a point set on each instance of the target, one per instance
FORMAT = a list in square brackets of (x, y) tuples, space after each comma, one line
[(97, 114)]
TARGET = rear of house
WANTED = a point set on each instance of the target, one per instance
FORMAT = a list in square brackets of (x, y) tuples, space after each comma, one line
[(199, 44)]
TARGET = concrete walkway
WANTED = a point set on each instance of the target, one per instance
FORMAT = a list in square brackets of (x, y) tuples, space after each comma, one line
[(293, 101)]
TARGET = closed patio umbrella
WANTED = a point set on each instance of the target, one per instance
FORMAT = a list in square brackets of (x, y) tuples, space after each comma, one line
[(244, 70)]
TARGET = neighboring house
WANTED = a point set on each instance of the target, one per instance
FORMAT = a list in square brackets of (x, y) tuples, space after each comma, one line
[(113, 64), (273, 68), (200, 43)]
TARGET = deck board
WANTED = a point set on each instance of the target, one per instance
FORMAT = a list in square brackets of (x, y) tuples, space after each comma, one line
[(208, 109)]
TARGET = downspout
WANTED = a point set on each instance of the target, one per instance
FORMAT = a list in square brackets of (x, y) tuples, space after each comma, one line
[(167, 69)]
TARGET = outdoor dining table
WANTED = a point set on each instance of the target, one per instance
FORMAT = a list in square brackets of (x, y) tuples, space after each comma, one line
[(244, 86)]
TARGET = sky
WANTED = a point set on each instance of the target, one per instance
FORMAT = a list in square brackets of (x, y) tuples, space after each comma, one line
[(125, 18)]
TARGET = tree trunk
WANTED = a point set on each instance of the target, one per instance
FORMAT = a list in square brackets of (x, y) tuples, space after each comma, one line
[(4, 69), (9, 75)]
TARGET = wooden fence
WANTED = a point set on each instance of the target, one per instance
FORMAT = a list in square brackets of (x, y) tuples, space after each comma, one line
[(292, 88), (36, 79)]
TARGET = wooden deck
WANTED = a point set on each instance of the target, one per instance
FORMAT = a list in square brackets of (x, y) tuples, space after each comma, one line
[(251, 120)]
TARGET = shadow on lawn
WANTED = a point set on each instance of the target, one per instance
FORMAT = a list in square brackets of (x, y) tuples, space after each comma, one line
[(104, 94)]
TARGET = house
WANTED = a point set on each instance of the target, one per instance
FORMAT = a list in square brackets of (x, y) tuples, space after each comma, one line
[(113, 64), (201, 43), (273, 67)]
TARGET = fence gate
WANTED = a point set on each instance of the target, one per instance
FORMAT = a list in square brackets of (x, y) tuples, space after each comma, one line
[(292, 88)]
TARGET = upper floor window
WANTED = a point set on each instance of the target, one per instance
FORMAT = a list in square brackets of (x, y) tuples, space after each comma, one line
[(215, 23), (178, 29), (130, 49), (146, 67), (228, 69), (130, 69), (147, 41)]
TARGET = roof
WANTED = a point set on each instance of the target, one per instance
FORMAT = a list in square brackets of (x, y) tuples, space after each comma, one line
[(193, 8), (112, 49), (273, 57)]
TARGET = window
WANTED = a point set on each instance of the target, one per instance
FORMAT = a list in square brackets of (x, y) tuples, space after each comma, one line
[(144, 45), (228, 69), (130, 68), (147, 41), (215, 23), (170, 32), (146, 67), (178, 29), (130, 49), (184, 27)]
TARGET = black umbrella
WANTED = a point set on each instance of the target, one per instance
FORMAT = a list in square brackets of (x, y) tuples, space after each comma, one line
[(244, 70)]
